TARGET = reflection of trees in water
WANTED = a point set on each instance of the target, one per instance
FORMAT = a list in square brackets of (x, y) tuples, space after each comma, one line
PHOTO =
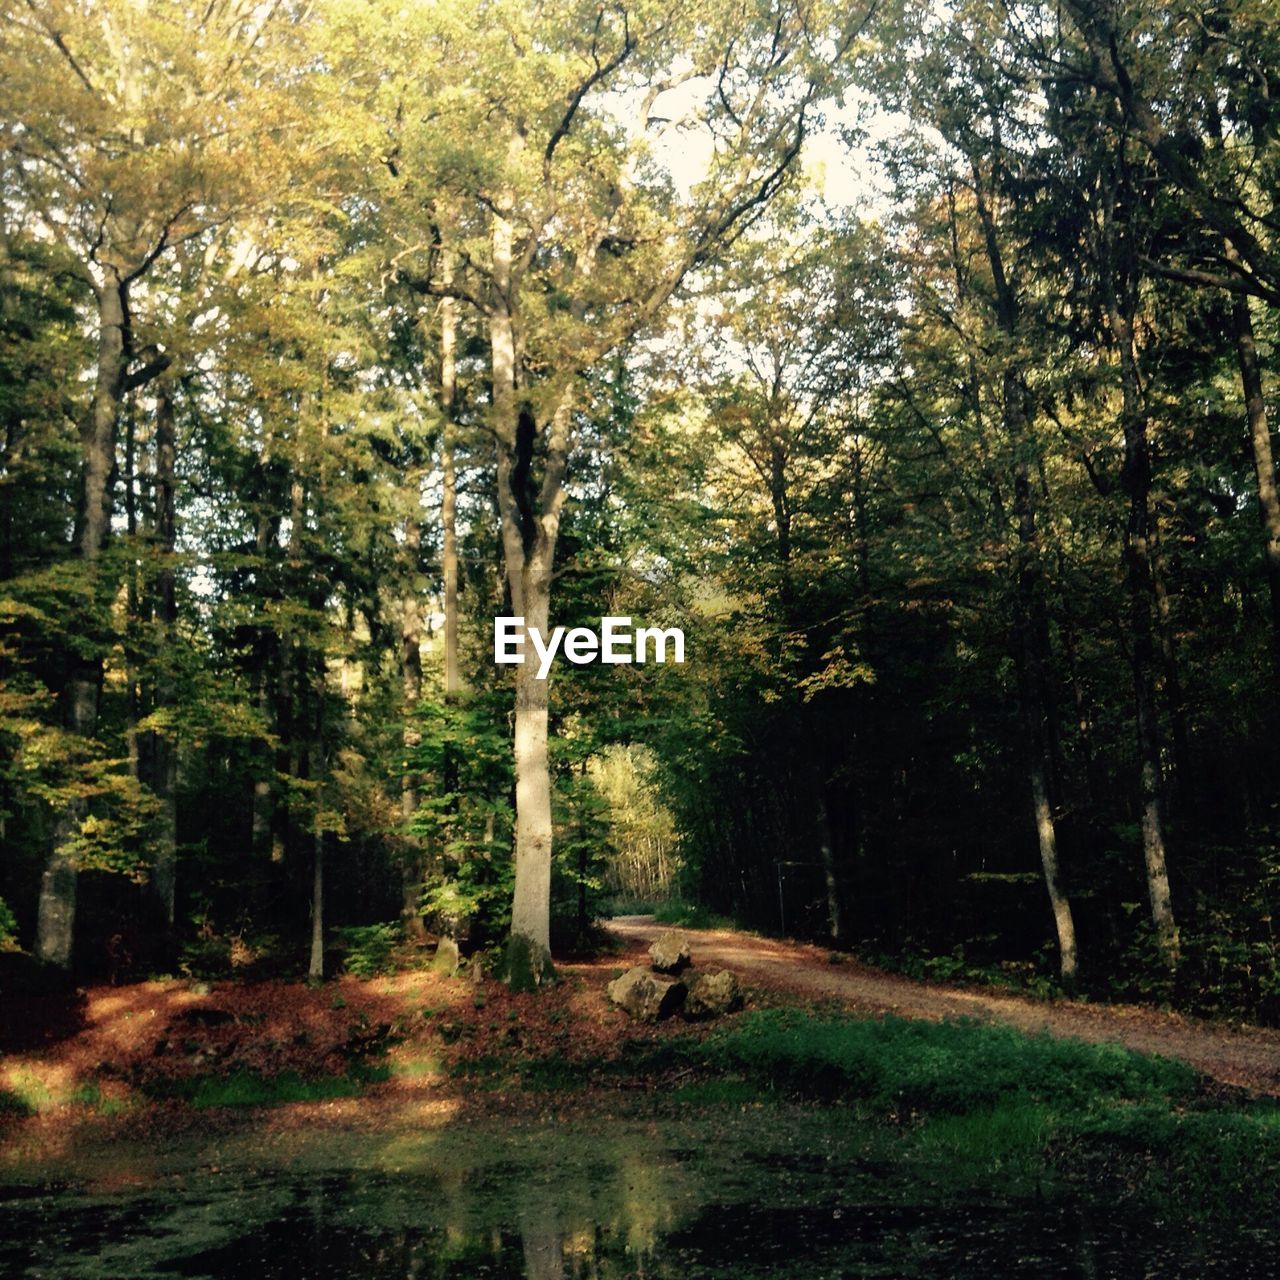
[(601, 1217), (539, 1208), (585, 1203)]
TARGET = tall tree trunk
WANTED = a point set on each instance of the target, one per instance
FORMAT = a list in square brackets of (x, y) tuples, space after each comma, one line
[(827, 858), (1182, 796), (1135, 478), (162, 750), (530, 521), (133, 599), (1263, 458), (316, 768), (1030, 620), (449, 506), (315, 965), (411, 686), (1034, 702), (55, 926), (262, 810), (449, 502), (531, 905)]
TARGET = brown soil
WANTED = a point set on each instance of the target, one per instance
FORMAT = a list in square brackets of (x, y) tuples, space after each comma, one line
[(1242, 1056)]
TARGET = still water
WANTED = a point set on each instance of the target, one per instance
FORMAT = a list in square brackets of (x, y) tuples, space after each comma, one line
[(761, 1195)]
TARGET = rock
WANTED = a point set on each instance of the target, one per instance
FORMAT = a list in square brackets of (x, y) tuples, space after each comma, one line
[(447, 958), (670, 953), (711, 994), (647, 996)]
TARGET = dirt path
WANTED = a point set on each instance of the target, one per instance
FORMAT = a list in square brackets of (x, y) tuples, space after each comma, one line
[(1247, 1057)]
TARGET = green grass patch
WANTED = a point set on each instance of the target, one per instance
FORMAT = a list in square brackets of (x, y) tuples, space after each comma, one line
[(1011, 1135), (1204, 1162), (728, 1091), (959, 1100), (935, 1067), (29, 1094), (692, 915), (251, 1089)]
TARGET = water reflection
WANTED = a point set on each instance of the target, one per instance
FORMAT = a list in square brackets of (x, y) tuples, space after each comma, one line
[(612, 1202)]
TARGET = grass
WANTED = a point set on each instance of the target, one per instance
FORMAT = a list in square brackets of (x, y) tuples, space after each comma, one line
[(939, 1068), (966, 1098), (249, 1089), (691, 915), (27, 1094), (1008, 1136), (726, 1091)]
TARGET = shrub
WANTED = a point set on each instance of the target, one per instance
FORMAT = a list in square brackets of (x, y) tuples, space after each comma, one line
[(369, 949)]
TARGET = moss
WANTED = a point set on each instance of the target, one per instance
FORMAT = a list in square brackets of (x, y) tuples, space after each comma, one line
[(526, 965)]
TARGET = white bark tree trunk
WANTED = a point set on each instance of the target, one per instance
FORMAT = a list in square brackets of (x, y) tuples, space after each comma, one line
[(530, 521)]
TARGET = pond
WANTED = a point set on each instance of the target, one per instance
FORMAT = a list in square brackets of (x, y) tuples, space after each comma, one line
[(743, 1193)]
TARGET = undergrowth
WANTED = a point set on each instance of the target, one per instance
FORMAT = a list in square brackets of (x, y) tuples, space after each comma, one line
[(936, 1067), (251, 1089), (967, 1095), (691, 915)]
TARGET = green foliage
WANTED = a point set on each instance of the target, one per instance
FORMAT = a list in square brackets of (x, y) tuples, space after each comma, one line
[(817, 461), (1008, 1134), (239, 952), (1230, 961), (462, 767), (692, 915), (1032, 977), (8, 928), (369, 949), (944, 1067), (1203, 1163), (643, 847)]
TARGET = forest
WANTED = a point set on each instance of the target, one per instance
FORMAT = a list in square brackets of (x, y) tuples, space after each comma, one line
[(639, 639), (914, 359)]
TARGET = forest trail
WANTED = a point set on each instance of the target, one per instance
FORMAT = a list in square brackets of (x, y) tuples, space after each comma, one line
[(1245, 1057)]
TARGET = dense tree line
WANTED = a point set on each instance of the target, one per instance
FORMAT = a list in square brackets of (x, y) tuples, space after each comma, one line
[(331, 334)]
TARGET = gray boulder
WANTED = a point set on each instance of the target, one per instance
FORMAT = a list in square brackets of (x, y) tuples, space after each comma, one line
[(447, 959), (647, 996), (711, 994), (670, 953)]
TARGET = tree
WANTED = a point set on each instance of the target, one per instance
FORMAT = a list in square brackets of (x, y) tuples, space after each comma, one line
[(1226, 175), (125, 138), (570, 239), (956, 79)]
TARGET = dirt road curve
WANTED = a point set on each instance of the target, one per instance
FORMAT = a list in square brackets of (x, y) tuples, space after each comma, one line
[(1248, 1057)]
